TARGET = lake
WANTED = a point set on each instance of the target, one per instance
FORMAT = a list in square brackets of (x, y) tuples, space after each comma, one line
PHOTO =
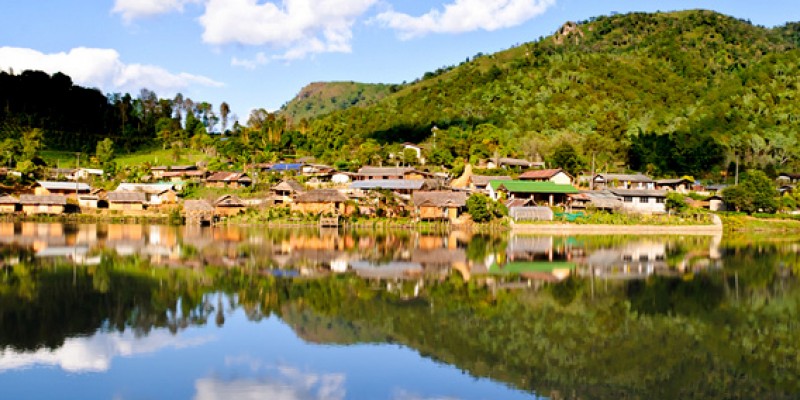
[(149, 312)]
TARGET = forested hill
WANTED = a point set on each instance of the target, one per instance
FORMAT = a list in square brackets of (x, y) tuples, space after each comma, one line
[(669, 93), (320, 98)]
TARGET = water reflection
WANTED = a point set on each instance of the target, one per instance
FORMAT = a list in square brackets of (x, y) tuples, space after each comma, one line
[(255, 312)]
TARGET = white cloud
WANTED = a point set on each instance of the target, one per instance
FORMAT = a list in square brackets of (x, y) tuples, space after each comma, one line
[(102, 68), (465, 16), (301, 27), (94, 354), (252, 63), (133, 9), (289, 384)]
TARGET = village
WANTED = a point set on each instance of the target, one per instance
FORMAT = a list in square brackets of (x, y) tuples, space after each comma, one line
[(528, 191)]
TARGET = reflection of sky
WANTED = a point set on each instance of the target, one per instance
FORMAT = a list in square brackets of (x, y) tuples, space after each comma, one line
[(94, 354), (240, 360)]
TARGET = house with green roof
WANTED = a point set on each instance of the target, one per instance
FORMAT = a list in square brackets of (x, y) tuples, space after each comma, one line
[(538, 192)]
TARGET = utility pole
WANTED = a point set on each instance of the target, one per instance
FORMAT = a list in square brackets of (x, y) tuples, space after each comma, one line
[(736, 179), (75, 175), (591, 178)]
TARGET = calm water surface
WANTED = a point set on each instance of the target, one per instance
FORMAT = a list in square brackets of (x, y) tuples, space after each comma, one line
[(146, 312)]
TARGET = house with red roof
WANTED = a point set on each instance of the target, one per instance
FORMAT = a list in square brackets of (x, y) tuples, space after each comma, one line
[(555, 175)]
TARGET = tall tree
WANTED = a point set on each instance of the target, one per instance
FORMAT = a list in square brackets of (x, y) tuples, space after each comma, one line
[(224, 111)]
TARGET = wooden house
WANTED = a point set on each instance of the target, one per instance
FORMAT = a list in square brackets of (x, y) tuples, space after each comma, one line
[(320, 201), (286, 191), (680, 185), (229, 204), (156, 193), (127, 201), (557, 175), (227, 179), (198, 212), (43, 204), (439, 204), (159, 171), (9, 204)]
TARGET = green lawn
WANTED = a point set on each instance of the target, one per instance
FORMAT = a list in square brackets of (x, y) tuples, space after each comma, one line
[(67, 159)]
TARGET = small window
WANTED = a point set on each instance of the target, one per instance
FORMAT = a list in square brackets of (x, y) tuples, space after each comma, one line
[(644, 199), (643, 257), (627, 257), (660, 200), (627, 199)]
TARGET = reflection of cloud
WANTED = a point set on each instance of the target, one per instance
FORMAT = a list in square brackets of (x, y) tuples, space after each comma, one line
[(401, 394), (94, 354), (285, 383)]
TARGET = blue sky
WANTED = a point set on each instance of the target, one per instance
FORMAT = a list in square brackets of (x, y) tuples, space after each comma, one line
[(259, 53)]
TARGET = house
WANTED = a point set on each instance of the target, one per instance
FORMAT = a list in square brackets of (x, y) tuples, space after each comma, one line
[(198, 212), (539, 192), (680, 185), (287, 167), (62, 173), (87, 173), (9, 204), (789, 178), (158, 171), (597, 199), (156, 193), (229, 204), (395, 173), (287, 190), (481, 182), (556, 175), (43, 204), (184, 174), (127, 201), (505, 162), (643, 201), (623, 181), (227, 179), (60, 188), (439, 204), (399, 186), (320, 201)]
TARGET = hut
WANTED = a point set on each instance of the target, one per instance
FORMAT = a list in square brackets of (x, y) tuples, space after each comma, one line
[(126, 201), (198, 212), (8, 204), (60, 188), (43, 204), (320, 201), (286, 191), (229, 204), (231, 180), (439, 204)]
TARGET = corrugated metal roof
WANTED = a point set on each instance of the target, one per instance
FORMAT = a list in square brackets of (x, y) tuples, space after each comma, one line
[(82, 187), (391, 184), (48, 200), (127, 197), (439, 199), (623, 178), (533, 187)]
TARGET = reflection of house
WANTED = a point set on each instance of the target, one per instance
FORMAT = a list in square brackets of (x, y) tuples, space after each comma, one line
[(42, 204), (233, 180), (439, 204), (229, 204), (60, 188), (287, 190), (8, 204), (126, 201), (481, 182), (642, 201), (631, 261), (549, 271), (623, 181), (539, 192), (557, 175), (320, 201)]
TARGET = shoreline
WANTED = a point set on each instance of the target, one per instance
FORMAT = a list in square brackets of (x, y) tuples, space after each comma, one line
[(699, 230)]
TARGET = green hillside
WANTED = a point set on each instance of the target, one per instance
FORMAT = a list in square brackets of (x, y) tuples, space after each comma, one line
[(320, 98), (667, 93)]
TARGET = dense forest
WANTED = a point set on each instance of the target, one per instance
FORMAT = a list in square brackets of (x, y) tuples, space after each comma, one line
[(681, 93)]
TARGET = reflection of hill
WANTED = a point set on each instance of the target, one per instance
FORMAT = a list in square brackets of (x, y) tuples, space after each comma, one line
[(324, 329)]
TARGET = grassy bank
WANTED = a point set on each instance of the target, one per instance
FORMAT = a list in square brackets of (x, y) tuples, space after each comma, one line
[(760, 223)]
